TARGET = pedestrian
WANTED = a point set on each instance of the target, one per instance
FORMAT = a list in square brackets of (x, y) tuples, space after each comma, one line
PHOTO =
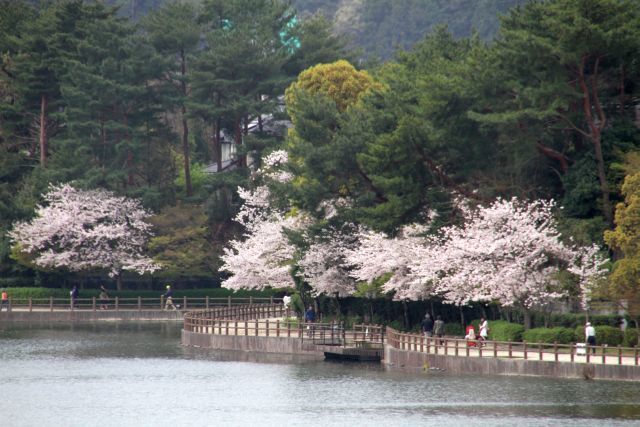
[(104, 298), (168, 295), (427, 326), (590, 335), (74, 297), (5, 300), (484, 329), (286, 301), (438, 329), (309, 315), (623, 324)]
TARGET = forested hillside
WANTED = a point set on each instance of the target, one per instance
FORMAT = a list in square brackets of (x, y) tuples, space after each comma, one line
[(380, 27)]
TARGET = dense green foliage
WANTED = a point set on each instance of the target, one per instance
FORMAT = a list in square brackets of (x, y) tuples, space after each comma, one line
[(500, 330), (550, 335), (139, 106)]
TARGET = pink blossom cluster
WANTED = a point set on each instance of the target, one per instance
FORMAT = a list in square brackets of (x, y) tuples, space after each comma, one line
[(87, 229), (509, 252)]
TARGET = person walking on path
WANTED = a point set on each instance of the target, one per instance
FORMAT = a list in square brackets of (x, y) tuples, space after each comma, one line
[(309, 315), (427, 326), (484, 329), (438, 329), (74, 297), (5, 300), (590, 335), (169, 298), (104, 298)]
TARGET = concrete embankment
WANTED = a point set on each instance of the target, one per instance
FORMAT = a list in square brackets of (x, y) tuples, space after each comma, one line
[(416, 361), (43, 316), (260, 344)]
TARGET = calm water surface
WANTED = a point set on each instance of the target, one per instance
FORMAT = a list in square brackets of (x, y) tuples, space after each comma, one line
[(120, 374)]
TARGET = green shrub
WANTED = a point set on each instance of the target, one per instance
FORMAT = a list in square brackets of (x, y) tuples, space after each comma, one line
[(630, 337), (501, 330), (575, 320), (397, 325), (550, 335), (608, 335), (604, 335), (454, 329)]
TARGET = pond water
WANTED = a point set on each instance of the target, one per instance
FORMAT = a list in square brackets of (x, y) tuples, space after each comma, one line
[(119, 374)]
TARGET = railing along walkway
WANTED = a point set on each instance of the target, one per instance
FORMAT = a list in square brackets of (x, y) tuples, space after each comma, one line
[(132, 303), (273, 321), (513, 350)]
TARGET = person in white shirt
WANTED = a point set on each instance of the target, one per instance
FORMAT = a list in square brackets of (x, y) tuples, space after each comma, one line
[(286, 300), (484, 329), (590, 335)]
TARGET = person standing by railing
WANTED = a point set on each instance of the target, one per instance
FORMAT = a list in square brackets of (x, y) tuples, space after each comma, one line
[(74, 297), (104, 298), (169, 298), (310, 317), (438, 329), (484, 329), (427, 326), (286, 302), (5, 300), (590, 335)]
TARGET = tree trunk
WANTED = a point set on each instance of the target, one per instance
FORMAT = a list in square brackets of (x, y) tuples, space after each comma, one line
[(405, 309), (43, 138), (595, 130), (119, 282), (185, 127), (527, 318), (462, 322), (242, 160)]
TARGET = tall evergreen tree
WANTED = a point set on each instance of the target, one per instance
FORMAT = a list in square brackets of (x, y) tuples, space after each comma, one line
[(175, 32)]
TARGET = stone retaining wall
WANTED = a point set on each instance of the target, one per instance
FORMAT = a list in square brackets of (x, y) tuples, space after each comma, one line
[(416, 361)]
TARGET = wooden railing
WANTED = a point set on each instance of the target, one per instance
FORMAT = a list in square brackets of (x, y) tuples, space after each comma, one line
[(513, 350), (132, 303), (272, 320), (319, 333)]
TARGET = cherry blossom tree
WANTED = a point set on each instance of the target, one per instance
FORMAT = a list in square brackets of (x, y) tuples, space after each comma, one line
[(263, 255), (84, 230), (400, 257), (511, 253), (323, 264)]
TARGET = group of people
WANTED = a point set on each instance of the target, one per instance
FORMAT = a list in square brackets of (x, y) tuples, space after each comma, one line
[(431, 328), (435, 328), (103, 299)]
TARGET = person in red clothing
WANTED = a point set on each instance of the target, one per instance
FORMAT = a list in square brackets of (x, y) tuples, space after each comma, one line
[(5, 300)]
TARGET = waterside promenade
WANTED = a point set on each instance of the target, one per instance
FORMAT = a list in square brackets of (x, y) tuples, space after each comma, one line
[(269, 331)]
